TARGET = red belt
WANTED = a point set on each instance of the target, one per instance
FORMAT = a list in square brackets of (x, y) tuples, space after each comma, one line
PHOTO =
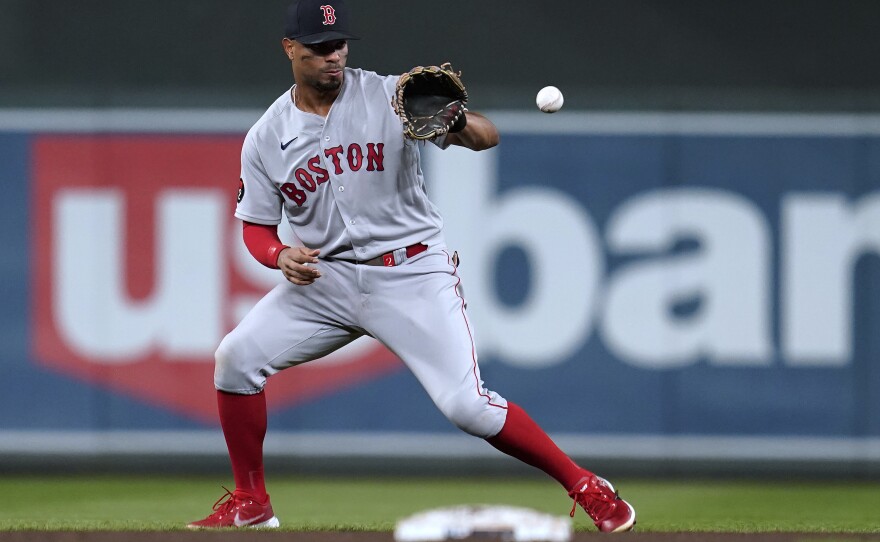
[(396, 257)]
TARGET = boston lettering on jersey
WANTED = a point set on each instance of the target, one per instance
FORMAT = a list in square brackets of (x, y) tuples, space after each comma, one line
[(307, 180)]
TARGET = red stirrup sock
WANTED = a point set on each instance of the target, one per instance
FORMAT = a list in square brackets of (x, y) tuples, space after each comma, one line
[(523, 439), (243, 418)]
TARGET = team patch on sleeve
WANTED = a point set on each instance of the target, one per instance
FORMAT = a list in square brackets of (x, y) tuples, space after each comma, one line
[(240, 190)]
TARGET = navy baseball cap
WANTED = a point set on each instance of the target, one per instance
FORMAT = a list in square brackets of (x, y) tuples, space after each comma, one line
[(317, 21)]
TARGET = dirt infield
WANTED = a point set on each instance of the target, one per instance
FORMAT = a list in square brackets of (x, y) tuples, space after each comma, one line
[(250, 536)]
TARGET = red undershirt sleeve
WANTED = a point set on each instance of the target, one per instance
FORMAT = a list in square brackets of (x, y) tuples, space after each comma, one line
[(263, 243)]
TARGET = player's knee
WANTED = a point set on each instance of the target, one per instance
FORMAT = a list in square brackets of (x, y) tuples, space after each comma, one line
[(476, 417), (231, 373)]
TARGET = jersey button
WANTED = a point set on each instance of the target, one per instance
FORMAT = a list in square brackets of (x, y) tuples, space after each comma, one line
[(351, 221), (326, 138), (342, 189)]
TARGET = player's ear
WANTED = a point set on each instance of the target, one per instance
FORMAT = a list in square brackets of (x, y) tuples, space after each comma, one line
[(287, 45)]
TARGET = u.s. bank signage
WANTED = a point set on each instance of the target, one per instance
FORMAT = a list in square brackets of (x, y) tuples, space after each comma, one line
[(668, 274), (140, 270), (759, 236)]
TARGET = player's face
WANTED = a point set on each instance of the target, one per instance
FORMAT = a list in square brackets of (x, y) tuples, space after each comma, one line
[(320, 65)]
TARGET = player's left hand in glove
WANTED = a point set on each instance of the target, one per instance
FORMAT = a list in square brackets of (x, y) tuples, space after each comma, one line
[(430, 102)]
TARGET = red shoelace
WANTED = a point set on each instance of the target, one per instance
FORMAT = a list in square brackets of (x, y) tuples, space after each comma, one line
[(596, 503), (222, 506)]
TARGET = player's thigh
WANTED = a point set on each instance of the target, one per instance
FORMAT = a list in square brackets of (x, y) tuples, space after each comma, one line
[(289, 326), (422, 318)]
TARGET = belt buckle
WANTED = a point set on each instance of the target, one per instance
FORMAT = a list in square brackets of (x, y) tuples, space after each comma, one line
[(396, 256)]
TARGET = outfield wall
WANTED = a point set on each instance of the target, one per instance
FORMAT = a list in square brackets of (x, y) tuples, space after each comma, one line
[(653, 288), (790, 55)]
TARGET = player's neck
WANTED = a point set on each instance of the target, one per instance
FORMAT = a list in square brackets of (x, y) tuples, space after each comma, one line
[(315, 101)]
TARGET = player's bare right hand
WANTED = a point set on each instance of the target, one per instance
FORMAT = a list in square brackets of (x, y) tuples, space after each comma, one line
[(296, 264)]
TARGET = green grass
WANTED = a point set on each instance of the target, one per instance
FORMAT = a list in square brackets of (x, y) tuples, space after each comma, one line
[(167, 503)]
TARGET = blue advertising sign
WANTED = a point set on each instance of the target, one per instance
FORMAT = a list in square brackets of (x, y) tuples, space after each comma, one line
[(628, 277)]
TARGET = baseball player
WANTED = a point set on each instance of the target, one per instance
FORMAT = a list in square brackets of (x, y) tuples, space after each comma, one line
[(330, 153)]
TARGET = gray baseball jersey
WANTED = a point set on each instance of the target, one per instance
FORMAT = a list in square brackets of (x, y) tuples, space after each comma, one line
[(351, 185)]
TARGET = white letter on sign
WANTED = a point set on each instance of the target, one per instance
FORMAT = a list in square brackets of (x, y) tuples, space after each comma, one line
[(824, 236), (728, 277), (558, 237), (93, 314)]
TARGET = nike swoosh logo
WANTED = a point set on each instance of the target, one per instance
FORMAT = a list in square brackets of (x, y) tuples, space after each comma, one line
[(243, 523), (285, 145)]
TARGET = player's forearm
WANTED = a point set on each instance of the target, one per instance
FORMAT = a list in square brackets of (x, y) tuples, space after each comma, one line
[(479, 133), (263, 243)]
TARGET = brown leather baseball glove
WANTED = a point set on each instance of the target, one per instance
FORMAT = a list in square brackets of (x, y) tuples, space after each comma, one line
[(430, 101)]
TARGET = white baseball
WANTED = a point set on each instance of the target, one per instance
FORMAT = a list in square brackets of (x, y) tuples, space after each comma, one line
[(549, 99)]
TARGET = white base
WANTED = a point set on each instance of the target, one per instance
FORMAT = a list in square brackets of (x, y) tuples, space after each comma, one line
[(507, 522)]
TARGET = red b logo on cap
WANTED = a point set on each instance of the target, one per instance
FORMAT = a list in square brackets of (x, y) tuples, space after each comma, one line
[(329, 15)]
